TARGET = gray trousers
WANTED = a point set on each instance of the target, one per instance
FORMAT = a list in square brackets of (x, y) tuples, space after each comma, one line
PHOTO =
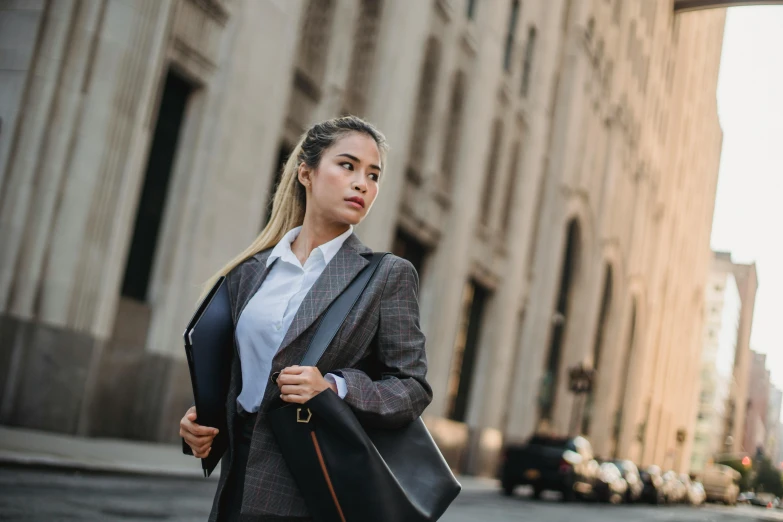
[(231, 503)]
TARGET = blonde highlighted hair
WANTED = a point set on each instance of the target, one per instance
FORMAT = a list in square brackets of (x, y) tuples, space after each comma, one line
[(289, 203)]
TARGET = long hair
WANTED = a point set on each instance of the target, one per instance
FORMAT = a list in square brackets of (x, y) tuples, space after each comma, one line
[(289, 203)]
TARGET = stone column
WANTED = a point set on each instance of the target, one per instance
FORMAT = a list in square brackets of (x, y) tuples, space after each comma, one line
[(57, 131), (441, 297), (394, 86), (25, 138), (551, 242)]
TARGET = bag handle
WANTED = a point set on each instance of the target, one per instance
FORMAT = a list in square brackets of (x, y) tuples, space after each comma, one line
[(338, 310)]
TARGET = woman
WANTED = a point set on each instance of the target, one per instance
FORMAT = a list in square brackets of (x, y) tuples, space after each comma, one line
[(305, 256)]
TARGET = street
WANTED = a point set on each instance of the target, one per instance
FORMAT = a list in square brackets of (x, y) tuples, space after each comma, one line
[(50, 496)]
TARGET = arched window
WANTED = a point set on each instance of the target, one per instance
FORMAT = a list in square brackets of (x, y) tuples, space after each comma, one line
[(315, 36), (598, 343), (424, 104), (626, 370), (527, 65), (568, 272), (454, 123), (491, 174), (364, 44)]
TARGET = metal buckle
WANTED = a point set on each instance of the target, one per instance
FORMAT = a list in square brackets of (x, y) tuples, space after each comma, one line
[(299, 416)]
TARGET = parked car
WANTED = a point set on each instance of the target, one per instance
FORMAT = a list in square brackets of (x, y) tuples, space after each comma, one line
[(766, 500), (610, 486), (720, 484), (744, 497), (550, 463), (674, 490), (652, 492), (631, 475)]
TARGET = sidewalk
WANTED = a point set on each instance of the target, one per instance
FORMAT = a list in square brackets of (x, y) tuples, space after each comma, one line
[(25, 447)]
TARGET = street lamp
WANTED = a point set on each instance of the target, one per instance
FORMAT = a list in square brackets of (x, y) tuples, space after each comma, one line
[(580, 382)]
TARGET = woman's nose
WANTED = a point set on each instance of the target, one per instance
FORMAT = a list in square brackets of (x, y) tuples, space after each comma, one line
[(360, 185)]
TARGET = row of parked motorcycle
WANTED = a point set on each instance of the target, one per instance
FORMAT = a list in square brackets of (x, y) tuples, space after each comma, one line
[(567, 465)]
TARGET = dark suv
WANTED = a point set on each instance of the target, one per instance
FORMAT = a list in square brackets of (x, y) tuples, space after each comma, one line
[(550, 463)]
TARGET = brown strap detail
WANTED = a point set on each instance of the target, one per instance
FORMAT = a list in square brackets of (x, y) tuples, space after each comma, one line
[(326, 476)]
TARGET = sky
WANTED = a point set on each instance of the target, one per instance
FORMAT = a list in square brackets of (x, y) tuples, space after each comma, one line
[(748, 220)]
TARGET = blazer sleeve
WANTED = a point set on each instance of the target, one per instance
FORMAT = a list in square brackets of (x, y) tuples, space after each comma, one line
[(403, 393)]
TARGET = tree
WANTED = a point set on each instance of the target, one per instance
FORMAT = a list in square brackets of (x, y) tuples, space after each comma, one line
[(768, 479), (745, 481)]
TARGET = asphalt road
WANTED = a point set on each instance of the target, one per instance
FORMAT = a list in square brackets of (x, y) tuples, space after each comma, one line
[(51, 496)]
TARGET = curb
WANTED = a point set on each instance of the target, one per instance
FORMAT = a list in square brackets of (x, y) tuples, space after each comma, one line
[(45, 462)]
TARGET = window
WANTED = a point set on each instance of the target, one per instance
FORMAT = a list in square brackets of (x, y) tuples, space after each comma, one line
[(154, 193), (424, 104), (475, 299), (527, 65), (491, 174), (449, 159), (617, 11), (569, 269), (598, 344), (410, 248), (505, 218), (364, 44), (470, 10), (512, 29), (314, 43), (283, 152)]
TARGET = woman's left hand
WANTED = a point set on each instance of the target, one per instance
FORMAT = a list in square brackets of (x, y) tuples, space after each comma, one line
[(301, 383)]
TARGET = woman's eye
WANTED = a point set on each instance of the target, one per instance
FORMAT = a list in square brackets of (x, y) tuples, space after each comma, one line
[(347, 164), (374, 176)]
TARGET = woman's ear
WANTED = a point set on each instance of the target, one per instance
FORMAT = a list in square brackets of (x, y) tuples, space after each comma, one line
[(304, 173)]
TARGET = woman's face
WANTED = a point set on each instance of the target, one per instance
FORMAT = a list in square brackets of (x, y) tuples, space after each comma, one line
[(344, 186)]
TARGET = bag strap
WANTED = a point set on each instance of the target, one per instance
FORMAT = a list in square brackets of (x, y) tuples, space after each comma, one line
[(338, 310)]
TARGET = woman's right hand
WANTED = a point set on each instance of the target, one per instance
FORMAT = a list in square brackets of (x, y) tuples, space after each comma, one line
[(198, 437)]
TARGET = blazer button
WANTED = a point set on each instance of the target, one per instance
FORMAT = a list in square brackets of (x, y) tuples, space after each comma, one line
[(274, 377)]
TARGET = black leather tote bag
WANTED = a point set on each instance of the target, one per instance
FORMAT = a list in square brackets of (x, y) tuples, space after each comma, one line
[(351, 473)]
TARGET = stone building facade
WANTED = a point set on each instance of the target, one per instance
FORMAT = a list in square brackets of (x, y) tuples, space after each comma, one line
[(759, 390), (552, 177), (722, 313), (772, 445), (747, 281)]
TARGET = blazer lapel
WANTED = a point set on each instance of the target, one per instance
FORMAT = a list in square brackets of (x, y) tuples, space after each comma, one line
[(249, 278), (337, 275)]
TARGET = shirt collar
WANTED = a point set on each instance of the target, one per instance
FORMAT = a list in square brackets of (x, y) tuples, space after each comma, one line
[(328, 250)]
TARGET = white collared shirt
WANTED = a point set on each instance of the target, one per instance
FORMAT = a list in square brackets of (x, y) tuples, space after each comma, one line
[(265, 320)]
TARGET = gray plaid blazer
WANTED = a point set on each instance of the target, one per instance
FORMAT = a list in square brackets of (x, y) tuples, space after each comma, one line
[(381, 332)]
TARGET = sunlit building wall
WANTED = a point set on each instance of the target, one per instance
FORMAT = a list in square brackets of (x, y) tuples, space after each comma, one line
[(723, 308), (552, 177)]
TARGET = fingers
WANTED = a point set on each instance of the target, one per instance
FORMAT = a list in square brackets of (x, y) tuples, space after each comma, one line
[(293, 370), (199, 445), (290, 378), (197, 429), (201, 453), (299, 399), (297, 389), (198, 437)]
